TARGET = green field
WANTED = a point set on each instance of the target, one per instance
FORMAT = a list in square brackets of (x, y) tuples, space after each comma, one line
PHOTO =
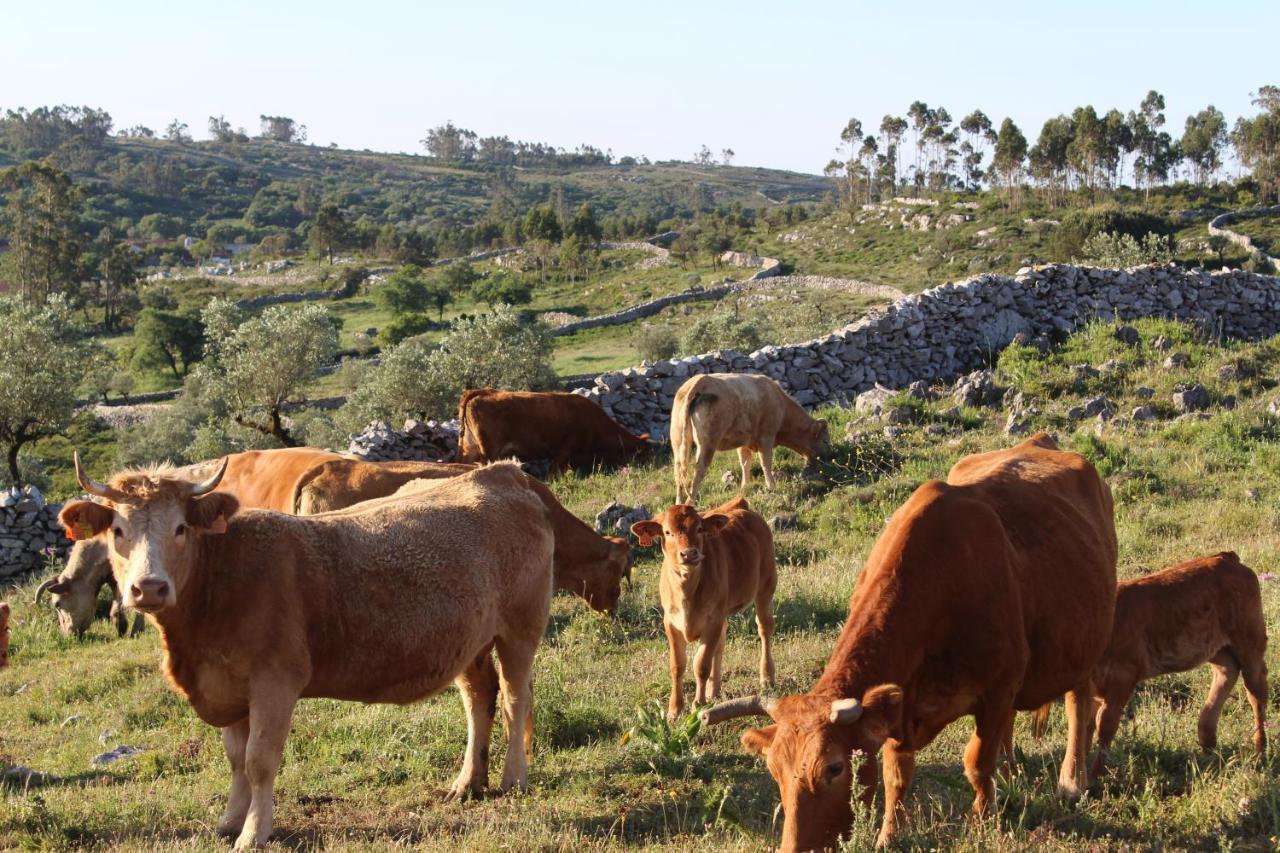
[(369, 777)]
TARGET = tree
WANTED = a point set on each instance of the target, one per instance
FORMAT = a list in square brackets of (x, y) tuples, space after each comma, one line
[(892, 129), (281, 129), (454, 144), (1257, 141), (502, 288), (1156, 153), (177, 131), (980, 132), (43, 359), (1049, 161), (1006, 162), (1203, 139), (704, 157), (726, 156), (410, 292), (167, 339), (541, 223), (117, 283), (920, 116), (262, 365), (330, 232), (584, 225), (41, 221), (459, 275)]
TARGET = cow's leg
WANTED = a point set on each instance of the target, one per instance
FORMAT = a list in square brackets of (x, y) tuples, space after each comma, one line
[(766, 464), (717, 664), (899, 767), (1074, 778), (994, 720), (234, 740), (1225, 671), (701, 463), (515, 660), (270, 712), (676, 652), (704, 663), (745, 455), (764, 626), (478, 684), (139, 624), (119, 617), (1255, 683), (1111, 705)]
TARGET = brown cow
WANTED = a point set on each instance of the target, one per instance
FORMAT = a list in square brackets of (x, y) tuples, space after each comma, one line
[(261, 479), (4, 634), (585, 564), (387, 604), (712, 567), (568, 429), (987, 593), (1202, 611), (721, 411)]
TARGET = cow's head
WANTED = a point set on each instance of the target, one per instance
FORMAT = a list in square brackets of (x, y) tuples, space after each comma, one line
[(814, 749), (4, 634), (151, 521), (683, 534), (819, 437), (599, 582), (74, 592)]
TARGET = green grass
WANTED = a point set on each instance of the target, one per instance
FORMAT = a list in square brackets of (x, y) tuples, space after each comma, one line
[(368, 777), (1264, 231)]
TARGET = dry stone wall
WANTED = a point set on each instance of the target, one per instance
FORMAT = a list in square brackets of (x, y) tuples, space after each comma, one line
[(29, 531), (952, 329), (1218, 225)]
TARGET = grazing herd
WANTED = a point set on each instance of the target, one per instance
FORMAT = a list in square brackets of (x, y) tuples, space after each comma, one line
[(274, 576)]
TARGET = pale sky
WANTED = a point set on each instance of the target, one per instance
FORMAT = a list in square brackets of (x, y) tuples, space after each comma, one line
[(773, 81)]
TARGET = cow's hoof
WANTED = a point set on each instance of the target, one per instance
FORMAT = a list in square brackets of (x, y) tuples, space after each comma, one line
[(464, 791)]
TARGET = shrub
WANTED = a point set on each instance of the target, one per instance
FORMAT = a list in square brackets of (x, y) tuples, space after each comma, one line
[(724, 332), (1115, 249), (656, 343)]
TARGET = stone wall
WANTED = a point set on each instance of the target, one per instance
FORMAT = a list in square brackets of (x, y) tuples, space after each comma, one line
[(29, 531), (1218, 226), (954, 328)]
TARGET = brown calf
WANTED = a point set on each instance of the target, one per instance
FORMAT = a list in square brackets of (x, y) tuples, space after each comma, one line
[(713, 566), (1202, 611), (723, 411)]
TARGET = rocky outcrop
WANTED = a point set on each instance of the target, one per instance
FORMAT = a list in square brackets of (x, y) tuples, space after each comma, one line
[(420, 441)]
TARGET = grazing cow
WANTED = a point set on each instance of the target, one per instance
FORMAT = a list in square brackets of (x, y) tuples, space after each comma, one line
[(261, 479), (568, 429), (986, 594), (1202, 611), (721, 411), (713, 566), (74, 591), (388, 603), (4, 634), (586, 565)]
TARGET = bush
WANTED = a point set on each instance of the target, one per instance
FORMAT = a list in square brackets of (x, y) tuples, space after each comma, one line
[(1079, 225), (404, 326), (1115, 249), (656, 343), (724, 332)]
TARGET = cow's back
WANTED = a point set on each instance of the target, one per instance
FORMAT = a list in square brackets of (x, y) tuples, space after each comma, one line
[(731, 410), (342, 483), (269, 479), (1057, 516), (541, 425), (743, 553)]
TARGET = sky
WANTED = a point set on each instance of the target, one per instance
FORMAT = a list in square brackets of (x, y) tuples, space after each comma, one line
[(773, 81)]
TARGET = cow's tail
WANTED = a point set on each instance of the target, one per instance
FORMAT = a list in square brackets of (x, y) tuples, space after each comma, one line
[(682, 437)]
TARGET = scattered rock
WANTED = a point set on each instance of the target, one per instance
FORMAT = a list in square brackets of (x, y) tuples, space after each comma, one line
[(1127, 335), (920, 390), (784, 521), (1143, 413), (1162, 343), (1228, 402), (1016, 425), (1176, 361), (1144, 393), (977, 389), (900, 415), (1193, 398), (120, 752), (935, 429), (872, 401), (1113, 365), (729, 479), (893, 432), (616, 518)]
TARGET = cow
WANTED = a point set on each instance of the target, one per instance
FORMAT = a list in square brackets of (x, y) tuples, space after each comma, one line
[(261, 479), (74, 591), (586, 564), (1207, 610), (723, 411), (713, 566), (388, 603), (567, 429), (985, 594), (4, 634)]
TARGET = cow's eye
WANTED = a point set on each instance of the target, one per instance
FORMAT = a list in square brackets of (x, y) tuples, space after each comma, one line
[(118, 532), (181, 529), (834, 768)]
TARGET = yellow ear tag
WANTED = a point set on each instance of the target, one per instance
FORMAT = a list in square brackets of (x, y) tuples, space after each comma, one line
[(83, 530), (219, 525)]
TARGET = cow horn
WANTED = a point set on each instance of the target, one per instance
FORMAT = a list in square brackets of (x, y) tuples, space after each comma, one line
[(845, 711), (93, 487), (747, 706), (44, 587), (212, 483)]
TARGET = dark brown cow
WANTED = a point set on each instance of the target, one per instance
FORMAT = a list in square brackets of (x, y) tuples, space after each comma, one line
[(390, 603), (713, 566), (986, 594), (1202, 611), (568, 429), (586, 565)]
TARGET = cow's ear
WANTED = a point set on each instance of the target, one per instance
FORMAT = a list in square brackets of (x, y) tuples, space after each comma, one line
[(85, 519), (60, 587), (647, 532), (211, 512), (758, 741), (881, 711), (712, 525)]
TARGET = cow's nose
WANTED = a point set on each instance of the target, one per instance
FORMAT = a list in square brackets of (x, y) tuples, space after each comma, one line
[(150, 593), (690, 556)]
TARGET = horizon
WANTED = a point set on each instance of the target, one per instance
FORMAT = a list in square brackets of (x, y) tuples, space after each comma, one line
[(643, 94)]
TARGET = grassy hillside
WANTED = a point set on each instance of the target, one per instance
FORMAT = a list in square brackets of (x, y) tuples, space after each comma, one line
[(368, 777)]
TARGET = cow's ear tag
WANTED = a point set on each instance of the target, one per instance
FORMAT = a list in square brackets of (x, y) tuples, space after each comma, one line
[(218, 525)]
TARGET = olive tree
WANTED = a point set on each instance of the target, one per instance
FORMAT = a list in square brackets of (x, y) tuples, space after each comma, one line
[(43, 360), (263, 363)]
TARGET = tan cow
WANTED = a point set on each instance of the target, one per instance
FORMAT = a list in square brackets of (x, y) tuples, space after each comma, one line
[(723, 411), (713, 566), (74, 591), (386, 604), (1207, 610), (986, 594), (586, 564)]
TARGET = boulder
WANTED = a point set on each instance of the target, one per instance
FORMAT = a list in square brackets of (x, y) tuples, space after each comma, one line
[(1193, 398)]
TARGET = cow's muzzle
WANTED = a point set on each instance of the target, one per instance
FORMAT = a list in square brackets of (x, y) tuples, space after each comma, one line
[(149, 595)]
